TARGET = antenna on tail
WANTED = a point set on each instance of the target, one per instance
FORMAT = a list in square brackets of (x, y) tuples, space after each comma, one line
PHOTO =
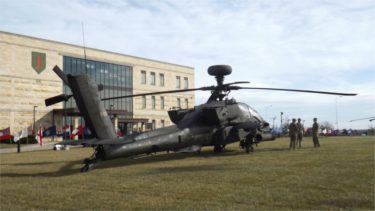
[(84, 47)]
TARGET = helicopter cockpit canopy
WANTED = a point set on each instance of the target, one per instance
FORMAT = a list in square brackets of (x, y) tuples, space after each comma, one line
[(248, 112), (254, 113)]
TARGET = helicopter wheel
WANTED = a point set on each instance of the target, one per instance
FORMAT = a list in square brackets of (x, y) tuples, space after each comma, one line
[(219, 148), (85, 168), (89, 164)]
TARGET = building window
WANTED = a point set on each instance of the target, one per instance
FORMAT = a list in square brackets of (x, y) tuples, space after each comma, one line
[(162, 123), (153, 102), (153, 124), (178, 103), (187, 103), (152, 78), (143, 77), (143, 101), (117, 80), (186, 83), (161, 79), (178, 82), (161, 102)]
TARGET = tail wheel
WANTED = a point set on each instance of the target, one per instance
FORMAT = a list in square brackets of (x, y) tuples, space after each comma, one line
[(219, 148)]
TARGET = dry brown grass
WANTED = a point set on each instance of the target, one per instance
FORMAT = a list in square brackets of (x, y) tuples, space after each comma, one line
[(338, 175)]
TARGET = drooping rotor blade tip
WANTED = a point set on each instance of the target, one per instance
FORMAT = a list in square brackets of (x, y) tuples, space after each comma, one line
[(299, 90)]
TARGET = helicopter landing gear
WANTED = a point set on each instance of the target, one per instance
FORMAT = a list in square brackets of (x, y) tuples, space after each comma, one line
[(219, 148), (247, 144), (91, 162)]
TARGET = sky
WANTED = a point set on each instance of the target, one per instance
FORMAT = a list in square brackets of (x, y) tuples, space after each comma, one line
[(311, 44)]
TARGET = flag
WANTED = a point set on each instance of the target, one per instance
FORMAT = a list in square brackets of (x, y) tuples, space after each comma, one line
[(39, 136), (119, 133), (77, 131), (64, 132), (51, 131), (5, 134), (21, 134), (66, 129)]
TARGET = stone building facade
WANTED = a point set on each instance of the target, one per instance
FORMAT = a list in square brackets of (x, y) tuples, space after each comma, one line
[(27, 79)]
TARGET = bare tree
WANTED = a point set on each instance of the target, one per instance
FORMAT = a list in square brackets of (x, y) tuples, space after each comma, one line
[(326, 125)]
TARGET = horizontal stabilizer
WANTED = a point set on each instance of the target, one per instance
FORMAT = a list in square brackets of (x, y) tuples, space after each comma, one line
[(57, 99)]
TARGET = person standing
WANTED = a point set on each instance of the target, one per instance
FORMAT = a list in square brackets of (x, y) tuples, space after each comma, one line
[(315, 133), (293, 134), (300, 132)]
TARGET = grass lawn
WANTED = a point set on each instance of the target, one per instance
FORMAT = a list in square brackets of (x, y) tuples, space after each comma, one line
[(3, 145), (338, 175)]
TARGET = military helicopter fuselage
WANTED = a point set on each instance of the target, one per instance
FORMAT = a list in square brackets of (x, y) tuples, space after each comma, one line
[(213, 124), (218, 122)]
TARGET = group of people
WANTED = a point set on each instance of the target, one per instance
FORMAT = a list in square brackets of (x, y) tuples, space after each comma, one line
[(296, 131)]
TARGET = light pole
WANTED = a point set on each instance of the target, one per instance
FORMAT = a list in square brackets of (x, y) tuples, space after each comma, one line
[(281, 121), (273, 121), (337, 121), (34, 119)]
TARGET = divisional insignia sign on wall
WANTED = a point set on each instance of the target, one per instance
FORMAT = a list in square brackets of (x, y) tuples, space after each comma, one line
[(38, 61)]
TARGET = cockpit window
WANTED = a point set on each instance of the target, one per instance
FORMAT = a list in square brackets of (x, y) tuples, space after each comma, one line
[(244, 110), (254, 113)]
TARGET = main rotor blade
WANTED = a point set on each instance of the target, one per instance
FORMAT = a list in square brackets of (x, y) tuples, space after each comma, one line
[(162, 92), (295, 90), (237, 82), (57, 99), (370, 118)]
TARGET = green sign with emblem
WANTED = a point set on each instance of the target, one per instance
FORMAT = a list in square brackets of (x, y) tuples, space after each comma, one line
[(38, 61)]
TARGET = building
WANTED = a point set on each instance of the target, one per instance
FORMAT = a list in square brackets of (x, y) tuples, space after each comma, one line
[(27, 79)]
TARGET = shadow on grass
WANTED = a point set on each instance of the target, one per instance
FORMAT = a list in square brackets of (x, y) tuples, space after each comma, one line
[(66, 170), (70, 168), (275, 149), (188, 169), (31, 164), (348, 203), (162, 158)]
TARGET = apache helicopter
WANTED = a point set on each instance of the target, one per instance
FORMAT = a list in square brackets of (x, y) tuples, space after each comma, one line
[(218, 122)]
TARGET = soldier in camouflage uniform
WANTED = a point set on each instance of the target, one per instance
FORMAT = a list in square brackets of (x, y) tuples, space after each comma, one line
[(293, 134), (300, 132), (315, 133)]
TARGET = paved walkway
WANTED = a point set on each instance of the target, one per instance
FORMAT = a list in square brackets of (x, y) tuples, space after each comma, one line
[(29, 147)]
